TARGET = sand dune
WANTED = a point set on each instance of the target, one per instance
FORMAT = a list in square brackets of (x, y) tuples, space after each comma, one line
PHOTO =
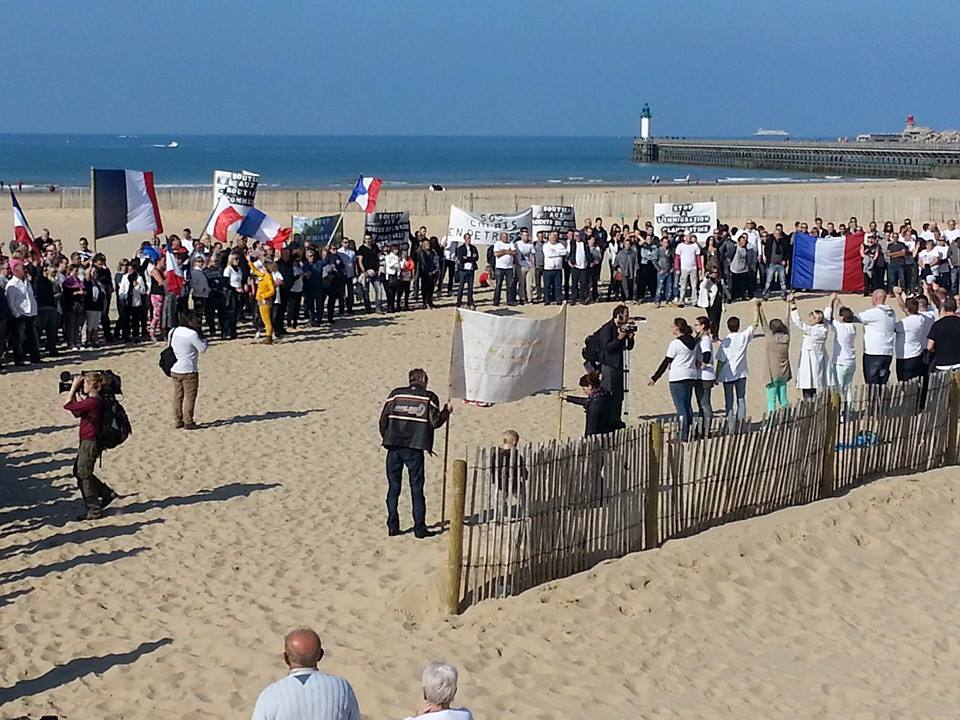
[(271, 515)]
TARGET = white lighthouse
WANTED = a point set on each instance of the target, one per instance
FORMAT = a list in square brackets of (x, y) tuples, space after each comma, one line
[(645, 122)]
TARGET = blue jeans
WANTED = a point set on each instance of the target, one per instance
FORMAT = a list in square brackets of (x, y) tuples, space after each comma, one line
[(553, 287), (681, 391), (377, 291), (504, 276), (895, 275), (397, 458), (738, 388), (954, 280), (702, 389), (775, 270), (664, 287)]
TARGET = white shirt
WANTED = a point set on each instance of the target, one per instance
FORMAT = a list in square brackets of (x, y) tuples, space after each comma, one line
[(878, 330), (307, 694), (912, 333), (233, 276), (131, 293), (688, 254), (926, 235), (844, 339), (685, 362), (20, 298), (553, 255), (753, 239), (733, 351), (349, 258), (449, 249), (391, 265), (707, 371), (951, 235), (503, 262), (451, 714), (187, 346), (525, 254)]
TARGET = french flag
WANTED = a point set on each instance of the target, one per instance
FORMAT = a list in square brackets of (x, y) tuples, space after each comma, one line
[(175, 276), (830, 263), (260, 226), (124, 201), (365, 193), (21, 230)]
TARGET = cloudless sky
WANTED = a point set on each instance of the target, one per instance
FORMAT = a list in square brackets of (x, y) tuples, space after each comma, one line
[(484, 67)]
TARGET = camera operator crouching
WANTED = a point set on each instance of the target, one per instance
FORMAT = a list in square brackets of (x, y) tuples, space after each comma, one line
[(103, 425), (604, 350)]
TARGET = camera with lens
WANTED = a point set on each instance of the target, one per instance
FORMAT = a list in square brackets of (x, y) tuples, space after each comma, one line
[(112, 384), (629, 327)]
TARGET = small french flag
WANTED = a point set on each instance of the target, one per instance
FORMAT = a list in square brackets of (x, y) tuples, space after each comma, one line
[(21, 230), (829, 263), (260, 226), (365, 193)]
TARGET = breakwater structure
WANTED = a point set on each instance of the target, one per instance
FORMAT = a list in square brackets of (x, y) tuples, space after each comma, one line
[(910, 154)]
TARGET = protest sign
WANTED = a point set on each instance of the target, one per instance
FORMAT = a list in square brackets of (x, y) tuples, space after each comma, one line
[(699, 218), (318, 230), (485, 228), (233, 195), (389, 228), (547, 218)]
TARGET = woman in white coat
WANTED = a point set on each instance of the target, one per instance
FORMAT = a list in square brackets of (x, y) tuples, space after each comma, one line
[(812, 370)]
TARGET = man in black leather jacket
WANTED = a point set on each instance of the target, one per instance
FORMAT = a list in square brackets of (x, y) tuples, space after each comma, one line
[(407, 422)]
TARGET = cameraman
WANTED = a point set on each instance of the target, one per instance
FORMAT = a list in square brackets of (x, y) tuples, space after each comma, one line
[(613, 339), (96, 494)]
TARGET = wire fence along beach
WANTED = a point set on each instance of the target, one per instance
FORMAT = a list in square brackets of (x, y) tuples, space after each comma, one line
[(544, 511)]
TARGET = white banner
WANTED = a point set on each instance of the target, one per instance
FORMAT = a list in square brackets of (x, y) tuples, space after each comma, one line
[(233, 196), (547, 218), (499, 359), (485, 228), (699, 218)]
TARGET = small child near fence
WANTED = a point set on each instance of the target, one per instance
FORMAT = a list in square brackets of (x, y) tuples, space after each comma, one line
[(510, 475)]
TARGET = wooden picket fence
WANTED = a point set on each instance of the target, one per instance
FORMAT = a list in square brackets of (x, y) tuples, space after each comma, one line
[(545, 511)]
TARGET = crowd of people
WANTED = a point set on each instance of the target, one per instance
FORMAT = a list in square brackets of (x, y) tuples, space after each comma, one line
[(58, 301)]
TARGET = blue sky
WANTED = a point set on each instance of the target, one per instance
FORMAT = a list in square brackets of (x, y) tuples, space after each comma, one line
[(487, 67)]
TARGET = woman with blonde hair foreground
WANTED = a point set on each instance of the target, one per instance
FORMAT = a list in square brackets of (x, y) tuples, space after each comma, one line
[(439, 688)]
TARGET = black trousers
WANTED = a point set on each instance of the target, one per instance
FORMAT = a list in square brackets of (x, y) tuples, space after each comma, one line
[(910, 368), (397, 459), (465, 281), (579, 285), (24, 331), (428, 283)]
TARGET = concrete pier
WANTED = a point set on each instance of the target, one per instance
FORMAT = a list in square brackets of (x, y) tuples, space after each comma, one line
[(883, 159)]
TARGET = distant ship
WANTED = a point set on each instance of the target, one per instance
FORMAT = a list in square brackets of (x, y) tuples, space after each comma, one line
[(771, 133), (171, 145)]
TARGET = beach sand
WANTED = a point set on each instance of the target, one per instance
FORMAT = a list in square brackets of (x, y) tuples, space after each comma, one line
[(271, 516)]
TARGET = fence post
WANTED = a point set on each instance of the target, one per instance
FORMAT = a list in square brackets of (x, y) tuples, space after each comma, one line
[(651, 499), (954, 419), (455, 549), (828, 474)]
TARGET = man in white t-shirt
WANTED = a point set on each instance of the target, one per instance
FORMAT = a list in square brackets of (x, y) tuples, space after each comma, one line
[(505, 253), (952, 232), (911, 338), (732, 369), (879, 334), (690, 261)]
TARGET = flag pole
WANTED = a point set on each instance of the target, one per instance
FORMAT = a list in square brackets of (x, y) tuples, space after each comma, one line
[(446, 432), (563, 363), (93, 205)]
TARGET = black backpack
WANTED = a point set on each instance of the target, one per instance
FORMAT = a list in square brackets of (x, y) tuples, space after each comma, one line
[(592, 351), (491, 258), (115, 426)]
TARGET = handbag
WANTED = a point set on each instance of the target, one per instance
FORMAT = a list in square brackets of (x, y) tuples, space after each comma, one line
[(168, 358)]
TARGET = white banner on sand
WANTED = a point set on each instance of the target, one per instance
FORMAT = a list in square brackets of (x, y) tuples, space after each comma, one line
[(699, 218), (485, 228), (499, 359)]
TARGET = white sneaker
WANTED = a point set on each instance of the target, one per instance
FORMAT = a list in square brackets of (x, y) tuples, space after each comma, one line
[(257, 336)]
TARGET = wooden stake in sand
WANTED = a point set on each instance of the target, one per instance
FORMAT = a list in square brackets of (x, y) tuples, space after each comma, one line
[(455, 549), (446, 430)]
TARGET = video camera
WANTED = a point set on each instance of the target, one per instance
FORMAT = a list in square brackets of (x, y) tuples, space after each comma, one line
[(112, 384)]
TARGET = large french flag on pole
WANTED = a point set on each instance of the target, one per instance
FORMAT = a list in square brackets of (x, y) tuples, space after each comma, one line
[(365, 193), (260, 226), (124, 201), (829, 263), (21, 230)]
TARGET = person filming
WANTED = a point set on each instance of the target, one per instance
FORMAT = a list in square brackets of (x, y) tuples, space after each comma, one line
[(613, 339), (90, 409)]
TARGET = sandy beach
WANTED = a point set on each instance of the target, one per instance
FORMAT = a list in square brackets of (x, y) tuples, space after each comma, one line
[(271, 516)]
